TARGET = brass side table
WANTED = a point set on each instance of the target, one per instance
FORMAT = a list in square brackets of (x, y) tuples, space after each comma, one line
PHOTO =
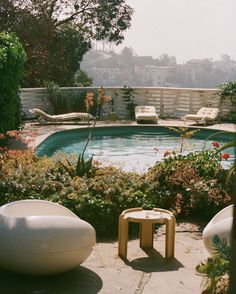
[(146, 218)]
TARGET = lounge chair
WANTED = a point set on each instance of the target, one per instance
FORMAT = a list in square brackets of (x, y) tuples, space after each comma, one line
[(43, 116), (204, 115), (221, 225), (145, 114)]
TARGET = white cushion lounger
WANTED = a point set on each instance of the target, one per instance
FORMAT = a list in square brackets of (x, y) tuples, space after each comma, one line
[(221, 225), (43, 116), (39, 237), (146, 114), (204, 115)]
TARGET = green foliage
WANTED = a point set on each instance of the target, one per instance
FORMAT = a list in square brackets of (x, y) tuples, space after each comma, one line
[(231, 172), (83, 166), (216, 269), (189, 183), (12, 57), (65, 101), (62, 58), (184, 133), (227, 93), (82, 79), (55, 41), (100, 194), (128, 96)]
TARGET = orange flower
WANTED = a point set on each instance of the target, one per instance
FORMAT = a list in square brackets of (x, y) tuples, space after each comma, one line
[(13, 133), (225, 156), (89, 99), (2, 136)]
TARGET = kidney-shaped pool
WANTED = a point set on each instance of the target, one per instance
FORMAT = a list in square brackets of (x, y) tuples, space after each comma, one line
[(133, 148)]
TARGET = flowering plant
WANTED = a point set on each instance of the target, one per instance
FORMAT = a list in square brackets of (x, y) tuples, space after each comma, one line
[(84, 166), (15, 139)]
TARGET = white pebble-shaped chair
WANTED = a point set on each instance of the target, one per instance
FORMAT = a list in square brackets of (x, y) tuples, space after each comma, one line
[(40, 237), (221, 225)]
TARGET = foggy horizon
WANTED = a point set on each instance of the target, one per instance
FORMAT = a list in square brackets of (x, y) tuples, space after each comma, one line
[(185, 29)]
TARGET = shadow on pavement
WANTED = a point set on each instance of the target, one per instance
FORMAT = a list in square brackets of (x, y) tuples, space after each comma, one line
[(77, 281), (154, 262)]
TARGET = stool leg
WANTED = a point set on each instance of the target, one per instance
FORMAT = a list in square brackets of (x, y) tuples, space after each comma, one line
[(146, 235), (123, 237), (170, 237)]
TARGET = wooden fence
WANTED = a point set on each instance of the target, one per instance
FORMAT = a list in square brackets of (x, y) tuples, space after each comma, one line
[(169, 102)]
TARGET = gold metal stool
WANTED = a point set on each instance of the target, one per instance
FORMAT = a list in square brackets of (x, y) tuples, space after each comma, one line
[(146, 218)]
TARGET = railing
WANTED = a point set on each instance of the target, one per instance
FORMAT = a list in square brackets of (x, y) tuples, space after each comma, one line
[(169, 102)]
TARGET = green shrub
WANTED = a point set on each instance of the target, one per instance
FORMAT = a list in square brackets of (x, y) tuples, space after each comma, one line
[(176, 183), (69, 100), (12, 57), (190, 184), (227, 94), (216, 269)]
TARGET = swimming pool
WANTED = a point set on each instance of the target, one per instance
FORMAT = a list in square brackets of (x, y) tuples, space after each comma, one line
[(133, 148)]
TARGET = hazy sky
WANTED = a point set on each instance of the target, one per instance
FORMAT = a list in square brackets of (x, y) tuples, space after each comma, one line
[(185, 29)]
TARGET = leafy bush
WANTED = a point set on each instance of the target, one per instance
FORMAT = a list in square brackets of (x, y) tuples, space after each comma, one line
[(178, 183), (190, 184), (227, 93), (12, 57), (216, 269), (64, 101)]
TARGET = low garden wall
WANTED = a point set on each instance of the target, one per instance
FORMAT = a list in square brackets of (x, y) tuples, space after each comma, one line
[(169, 102)]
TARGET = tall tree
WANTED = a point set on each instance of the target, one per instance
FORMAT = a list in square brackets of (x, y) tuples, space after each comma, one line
[(57, 33)]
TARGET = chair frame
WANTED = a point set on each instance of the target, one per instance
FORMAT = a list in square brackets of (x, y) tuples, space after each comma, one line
[(43, 117), (204, 115)]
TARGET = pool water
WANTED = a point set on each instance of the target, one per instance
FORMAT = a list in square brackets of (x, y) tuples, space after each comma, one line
[(133, 148)]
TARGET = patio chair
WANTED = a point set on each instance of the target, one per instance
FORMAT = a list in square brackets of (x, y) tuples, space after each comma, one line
[(221, 225), (204, 115), (145, 114), (39, 237), (43, 117)]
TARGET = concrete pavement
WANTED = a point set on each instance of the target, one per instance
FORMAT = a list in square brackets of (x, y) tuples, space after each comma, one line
[(144, 272)]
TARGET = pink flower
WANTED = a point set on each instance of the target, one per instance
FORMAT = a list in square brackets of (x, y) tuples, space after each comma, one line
[(225, 156), (2, 136), (215, 144)]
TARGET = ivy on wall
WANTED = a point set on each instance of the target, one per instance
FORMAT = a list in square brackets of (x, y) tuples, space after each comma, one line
[(128, 97)]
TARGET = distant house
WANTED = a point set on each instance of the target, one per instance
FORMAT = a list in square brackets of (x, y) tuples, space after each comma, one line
[(155, 76)]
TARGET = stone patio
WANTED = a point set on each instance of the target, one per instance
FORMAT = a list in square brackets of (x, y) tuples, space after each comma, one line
[(146, 272)]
